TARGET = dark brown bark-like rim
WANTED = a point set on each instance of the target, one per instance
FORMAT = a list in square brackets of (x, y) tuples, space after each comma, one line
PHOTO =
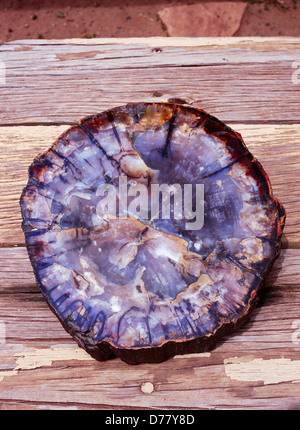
[(146, 288)]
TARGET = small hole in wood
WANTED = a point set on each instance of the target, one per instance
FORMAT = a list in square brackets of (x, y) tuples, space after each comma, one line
[(147, 387), (157, 94), (156, 50)]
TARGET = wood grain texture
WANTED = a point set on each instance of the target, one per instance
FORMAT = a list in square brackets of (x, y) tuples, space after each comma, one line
[(43, 365), (246, 82), (65, 81)]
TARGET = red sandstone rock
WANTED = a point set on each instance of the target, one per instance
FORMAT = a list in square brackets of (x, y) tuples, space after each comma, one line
[(206, 19)]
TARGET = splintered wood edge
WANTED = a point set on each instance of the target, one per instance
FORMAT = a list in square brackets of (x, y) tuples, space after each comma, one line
[(265, 43)]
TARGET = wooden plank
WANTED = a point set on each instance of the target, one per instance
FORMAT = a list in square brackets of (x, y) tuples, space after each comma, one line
[(210, 381), (224, 43), (138, 52), (277, 147), (59, 82), (42, 367)]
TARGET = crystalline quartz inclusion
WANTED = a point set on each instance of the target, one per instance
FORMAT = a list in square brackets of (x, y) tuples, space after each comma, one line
[(142, 287)]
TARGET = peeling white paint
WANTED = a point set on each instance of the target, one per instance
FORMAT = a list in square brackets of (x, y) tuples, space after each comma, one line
[(5, 373), (196, 355), (272, 371), (44, 357)]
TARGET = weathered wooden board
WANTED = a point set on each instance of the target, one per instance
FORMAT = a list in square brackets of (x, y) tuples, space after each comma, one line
[(41, 364), (242, 80), (269, 143), (252, 84)]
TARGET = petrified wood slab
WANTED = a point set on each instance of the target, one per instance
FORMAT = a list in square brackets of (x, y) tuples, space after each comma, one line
[(136, 283)]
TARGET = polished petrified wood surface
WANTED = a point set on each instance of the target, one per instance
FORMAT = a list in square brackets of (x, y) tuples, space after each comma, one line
[(146, 285), (252, 85)]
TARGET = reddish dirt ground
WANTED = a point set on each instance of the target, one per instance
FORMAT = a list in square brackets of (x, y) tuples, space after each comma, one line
[(57, 19)]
